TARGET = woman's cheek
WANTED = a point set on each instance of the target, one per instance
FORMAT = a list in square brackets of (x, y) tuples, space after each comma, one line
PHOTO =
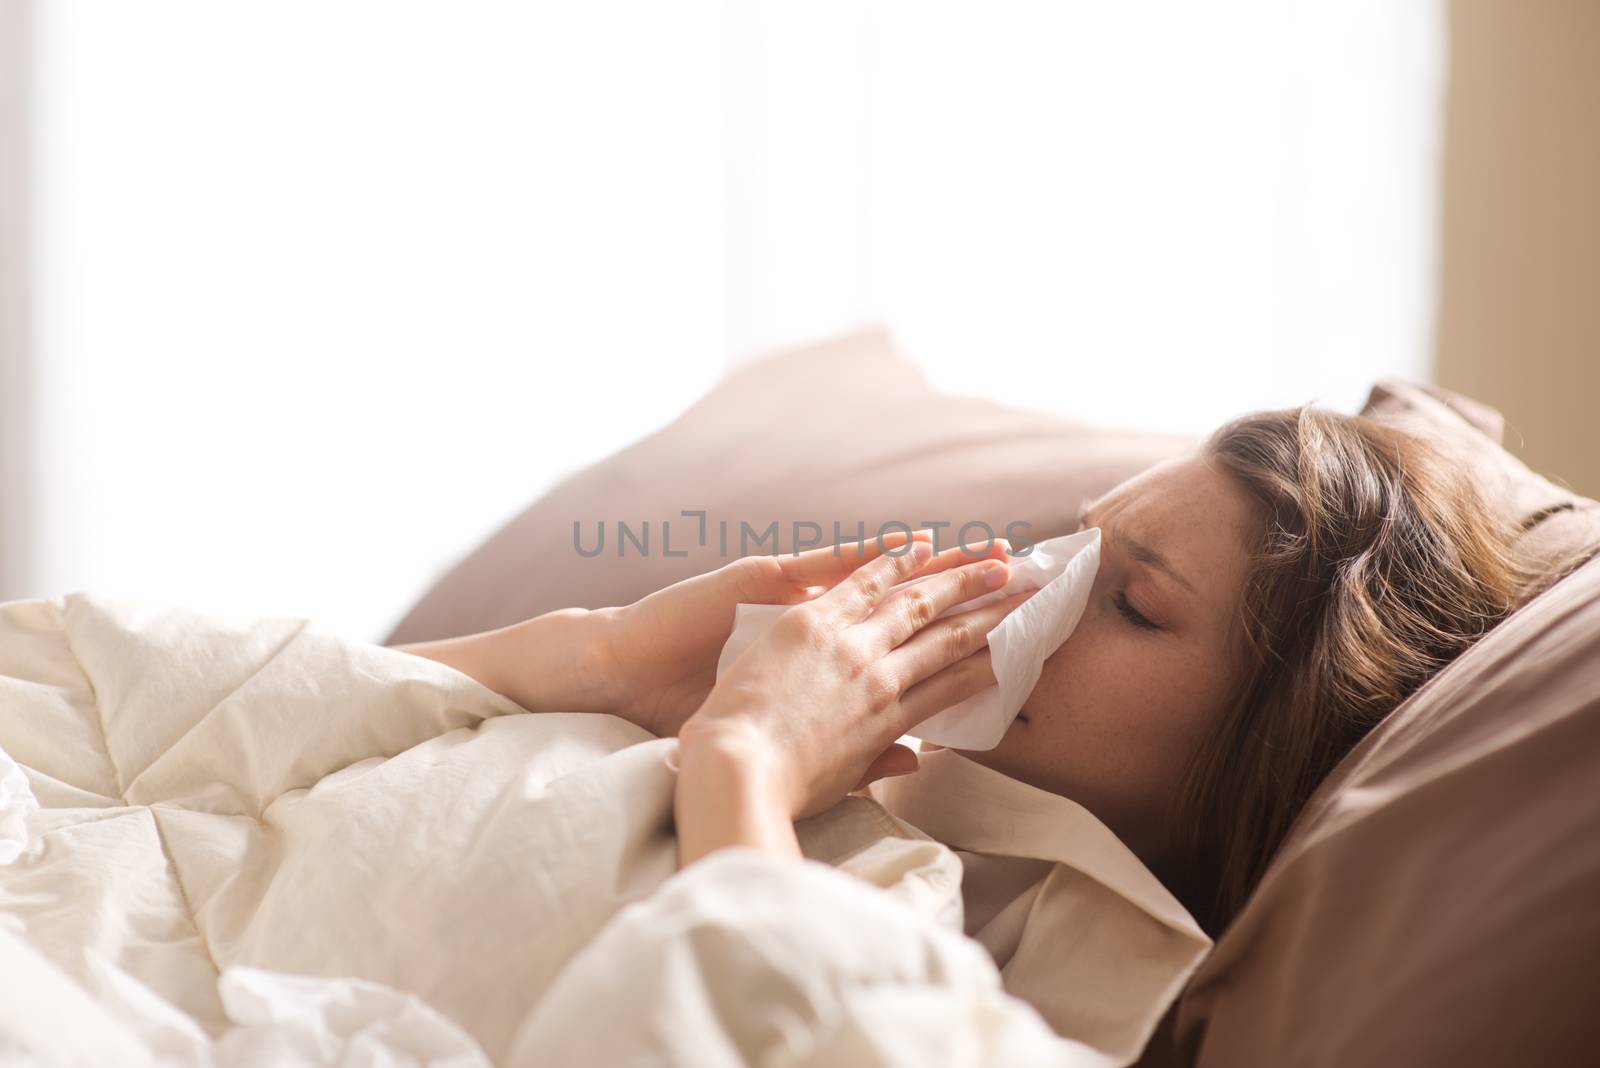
[(1069, 683)]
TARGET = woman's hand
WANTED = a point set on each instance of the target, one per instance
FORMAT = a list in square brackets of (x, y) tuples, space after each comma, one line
[(659, 655), (812, 709)]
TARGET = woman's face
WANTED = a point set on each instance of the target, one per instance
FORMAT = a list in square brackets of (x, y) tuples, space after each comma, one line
[(1122, 704)]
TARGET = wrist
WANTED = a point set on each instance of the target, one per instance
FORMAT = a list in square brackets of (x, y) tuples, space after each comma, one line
[(556, 662), (596, 662), (732, 790), (734, 753)]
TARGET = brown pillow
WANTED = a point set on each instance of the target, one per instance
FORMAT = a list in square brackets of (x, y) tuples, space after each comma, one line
[(1558, 523), (1435, 902), (844, 431)]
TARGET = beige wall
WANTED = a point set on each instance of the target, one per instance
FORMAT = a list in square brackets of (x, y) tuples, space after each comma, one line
[(1519, 300)]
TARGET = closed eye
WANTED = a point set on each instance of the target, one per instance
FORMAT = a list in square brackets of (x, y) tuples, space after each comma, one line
[(1132, 614)]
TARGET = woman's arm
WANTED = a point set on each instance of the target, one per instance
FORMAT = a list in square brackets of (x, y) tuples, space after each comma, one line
[(654, 661), (730, 793), (556, 662)]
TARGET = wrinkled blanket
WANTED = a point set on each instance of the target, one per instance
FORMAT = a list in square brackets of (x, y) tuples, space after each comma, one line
[(252, 841)]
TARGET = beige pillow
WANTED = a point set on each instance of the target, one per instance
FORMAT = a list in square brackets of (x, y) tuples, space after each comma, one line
[(845, 431)]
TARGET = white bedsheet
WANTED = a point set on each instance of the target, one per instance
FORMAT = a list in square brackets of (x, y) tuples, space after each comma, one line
[(258, 842)]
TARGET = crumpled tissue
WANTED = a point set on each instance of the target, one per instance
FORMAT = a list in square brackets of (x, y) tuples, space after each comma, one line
[(1062, 570)]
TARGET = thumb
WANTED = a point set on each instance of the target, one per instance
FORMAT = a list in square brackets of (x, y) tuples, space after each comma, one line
[(754, 580), (895, 760)]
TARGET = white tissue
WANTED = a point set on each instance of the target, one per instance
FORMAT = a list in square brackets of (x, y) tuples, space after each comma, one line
[(1061, 569)]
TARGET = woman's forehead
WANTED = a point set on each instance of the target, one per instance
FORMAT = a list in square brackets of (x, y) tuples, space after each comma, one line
[(1192, 515), (1176, 494)]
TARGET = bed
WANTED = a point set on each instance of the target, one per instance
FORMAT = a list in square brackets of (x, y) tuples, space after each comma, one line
[(251, 840), (1433, 905)]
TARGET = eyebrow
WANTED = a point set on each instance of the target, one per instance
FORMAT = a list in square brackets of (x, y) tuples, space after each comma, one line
[(1139, 550)]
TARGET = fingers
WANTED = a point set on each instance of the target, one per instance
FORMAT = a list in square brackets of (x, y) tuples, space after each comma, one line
[(947, 641), (789, 578), (951, 579), (828, 565), (895, 760), (998, 549), (865, 587), (968, 676)]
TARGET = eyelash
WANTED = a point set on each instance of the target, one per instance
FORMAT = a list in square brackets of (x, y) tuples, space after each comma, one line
[(1132, 614)]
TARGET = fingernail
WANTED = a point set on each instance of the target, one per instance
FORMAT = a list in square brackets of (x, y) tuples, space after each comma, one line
[(994, 574)]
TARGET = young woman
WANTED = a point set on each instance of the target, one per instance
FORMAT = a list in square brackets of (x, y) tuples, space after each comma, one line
[(1261, 603)]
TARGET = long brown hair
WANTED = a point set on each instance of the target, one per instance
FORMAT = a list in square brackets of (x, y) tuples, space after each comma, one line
[(1380, 560)]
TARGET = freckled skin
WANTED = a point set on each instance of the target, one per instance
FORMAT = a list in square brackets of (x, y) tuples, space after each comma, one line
[(1118, 709)]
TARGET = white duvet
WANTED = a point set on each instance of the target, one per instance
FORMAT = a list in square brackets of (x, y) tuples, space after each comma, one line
[(249, 841)]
